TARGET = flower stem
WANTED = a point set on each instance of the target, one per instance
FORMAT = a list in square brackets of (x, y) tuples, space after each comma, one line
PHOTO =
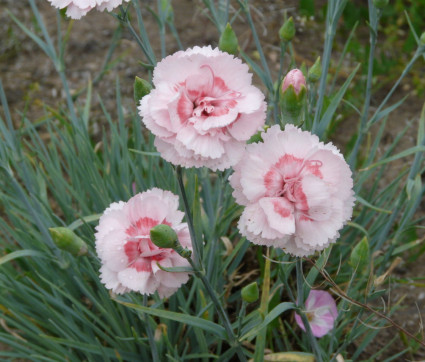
[(200, 273), (300, 304), (195, 242)]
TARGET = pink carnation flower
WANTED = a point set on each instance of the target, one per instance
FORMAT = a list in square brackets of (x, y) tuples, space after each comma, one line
[(75, 9), (129, 258), (203, 108), (297, 191), (321, 313)]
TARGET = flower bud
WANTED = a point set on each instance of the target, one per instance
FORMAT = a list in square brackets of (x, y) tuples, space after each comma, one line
[(163, 236), (287, 30), (293, 97), (295, 78), (67, 240), (315, 71), (380, 3), (422, 39), (141, 89), (228, 41), (250, 292)]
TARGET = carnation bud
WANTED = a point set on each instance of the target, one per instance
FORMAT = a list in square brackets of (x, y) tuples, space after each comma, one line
[(163, 236), (228, 41), (315, 71), (296, 78), (293, 96), (422, 39), (67, 240), (359, 258), (250, 292), (287, 30), (380, 3), (141, 89)]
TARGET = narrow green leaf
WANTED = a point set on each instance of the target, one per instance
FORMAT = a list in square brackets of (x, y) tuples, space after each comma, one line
[(204, 324), (336, 100), (176, 269), (402, 154), (84, 220), (278, 310), (370, 206), (20, 254)]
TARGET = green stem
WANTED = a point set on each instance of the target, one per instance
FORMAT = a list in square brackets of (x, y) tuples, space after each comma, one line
[(260, 342), (195, 242), (301, 306), (373, 19), (199, 271), (245, 7), (276, 107)]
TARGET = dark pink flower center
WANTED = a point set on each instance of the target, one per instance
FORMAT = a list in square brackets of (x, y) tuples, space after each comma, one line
[(285, 180), (212, 97), (139, 248)]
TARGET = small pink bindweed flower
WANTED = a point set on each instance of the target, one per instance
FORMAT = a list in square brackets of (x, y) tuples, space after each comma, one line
[(75, 9), (203, 108), (297, 191), (295, 78), (321, 313), (129, 258)]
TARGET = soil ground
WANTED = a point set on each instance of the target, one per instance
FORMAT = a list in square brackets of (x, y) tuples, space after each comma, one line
[(31, 83)]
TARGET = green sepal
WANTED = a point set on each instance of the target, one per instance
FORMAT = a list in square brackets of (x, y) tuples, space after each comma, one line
[(315, 72), (163, 236), (67, 240), (360, 256), (228, 41), (250, 292), (287, 30), (141, 89), (292, 104)]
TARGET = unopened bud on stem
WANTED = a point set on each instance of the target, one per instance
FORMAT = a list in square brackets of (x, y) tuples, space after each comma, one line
[(287, 30), (315, 71), (293, 97), (163, 236), (141, 89), (228, 41), (250, 292), (67, 240)]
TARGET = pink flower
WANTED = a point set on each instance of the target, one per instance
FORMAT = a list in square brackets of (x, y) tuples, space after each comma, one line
[(321, 313), (297, 191), (203, 108), (129, 258), (75, 9), (295, 78)]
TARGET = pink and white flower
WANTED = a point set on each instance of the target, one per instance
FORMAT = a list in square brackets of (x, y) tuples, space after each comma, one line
[(297, 191), (75, 9), (129, 258), (203, 108), (321, 313)]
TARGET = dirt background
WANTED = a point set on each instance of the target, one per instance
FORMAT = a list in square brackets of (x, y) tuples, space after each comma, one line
[(31, 84)]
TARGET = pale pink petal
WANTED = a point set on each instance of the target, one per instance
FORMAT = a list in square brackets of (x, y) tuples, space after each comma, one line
[(279, 213), (246, 125)]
